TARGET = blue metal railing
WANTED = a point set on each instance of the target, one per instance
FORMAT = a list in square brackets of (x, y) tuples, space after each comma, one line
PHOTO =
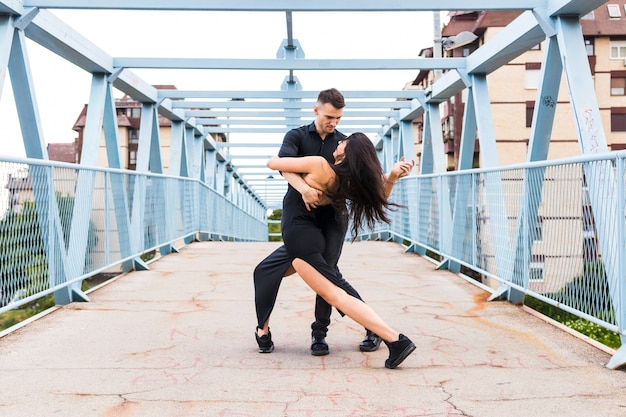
[(63, 223), (553, 230)]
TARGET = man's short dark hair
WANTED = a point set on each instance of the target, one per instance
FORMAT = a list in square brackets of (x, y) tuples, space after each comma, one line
[(332, 96)]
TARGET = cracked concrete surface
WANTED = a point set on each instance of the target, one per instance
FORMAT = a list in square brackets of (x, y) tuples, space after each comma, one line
[(178, 340)]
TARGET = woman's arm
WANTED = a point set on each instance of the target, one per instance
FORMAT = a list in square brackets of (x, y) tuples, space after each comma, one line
[(301, 165), (316, 174), (399, 170)]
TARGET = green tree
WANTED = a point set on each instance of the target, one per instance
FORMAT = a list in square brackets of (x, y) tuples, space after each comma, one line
[(276, 215), (23, 259), (22, 254)]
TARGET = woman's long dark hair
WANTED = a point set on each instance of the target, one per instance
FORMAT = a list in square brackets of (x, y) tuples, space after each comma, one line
[(360, 182)]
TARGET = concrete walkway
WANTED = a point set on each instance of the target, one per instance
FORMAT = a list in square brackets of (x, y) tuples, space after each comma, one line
[(178, 340)]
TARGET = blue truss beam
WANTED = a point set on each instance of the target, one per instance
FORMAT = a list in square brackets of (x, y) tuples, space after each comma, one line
[(216, 104), (290, 64), (373, 129), (312, 95), (348, 113), (226, 121), (290, 5), (11, 7), (572, 7)]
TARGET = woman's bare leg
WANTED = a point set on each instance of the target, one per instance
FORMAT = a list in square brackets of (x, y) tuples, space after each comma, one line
[(354, 308)]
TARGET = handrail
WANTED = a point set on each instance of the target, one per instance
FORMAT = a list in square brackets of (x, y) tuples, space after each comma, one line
[(50, 244), (553, 230)]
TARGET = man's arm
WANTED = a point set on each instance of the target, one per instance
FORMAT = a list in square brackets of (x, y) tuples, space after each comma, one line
[(292, 170), (290, 147), (310, 195)]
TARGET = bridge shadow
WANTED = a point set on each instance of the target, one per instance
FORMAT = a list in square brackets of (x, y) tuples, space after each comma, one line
[(178, 340)]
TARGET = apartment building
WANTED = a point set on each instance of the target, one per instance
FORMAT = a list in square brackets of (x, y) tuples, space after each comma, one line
[(512, 91), (513, 87), (128, 124)]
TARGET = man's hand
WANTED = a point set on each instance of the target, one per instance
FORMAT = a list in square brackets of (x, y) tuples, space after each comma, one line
[(311, 197)]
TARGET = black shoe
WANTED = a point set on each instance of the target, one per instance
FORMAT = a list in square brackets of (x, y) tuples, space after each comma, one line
[(370, 343), (319, 347), (398, 351), (265, 342)]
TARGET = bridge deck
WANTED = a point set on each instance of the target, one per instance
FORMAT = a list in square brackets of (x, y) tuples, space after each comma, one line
[(177, 340)]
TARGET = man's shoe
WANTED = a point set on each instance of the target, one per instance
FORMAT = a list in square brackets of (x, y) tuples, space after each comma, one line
[(265, 342), (398, 351), (370, 343), (319, 347)]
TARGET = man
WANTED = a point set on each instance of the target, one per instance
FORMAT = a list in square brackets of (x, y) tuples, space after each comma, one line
[(300, 204)]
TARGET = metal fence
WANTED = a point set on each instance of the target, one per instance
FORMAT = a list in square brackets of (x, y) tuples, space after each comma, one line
[(553, 230), (63, 223)]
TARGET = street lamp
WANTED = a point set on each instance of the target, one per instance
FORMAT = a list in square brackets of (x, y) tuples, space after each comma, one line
[(461, 39), (269, 177)]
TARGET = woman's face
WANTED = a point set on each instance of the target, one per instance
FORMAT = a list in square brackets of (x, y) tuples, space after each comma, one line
[(340, 151)]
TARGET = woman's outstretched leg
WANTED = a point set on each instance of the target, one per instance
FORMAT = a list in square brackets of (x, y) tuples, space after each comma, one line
[(354, 308), (399, 345)]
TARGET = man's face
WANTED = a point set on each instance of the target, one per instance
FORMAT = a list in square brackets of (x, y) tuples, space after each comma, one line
[(326, 118)]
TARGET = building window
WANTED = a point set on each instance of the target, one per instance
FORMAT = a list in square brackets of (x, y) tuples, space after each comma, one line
[(447, 128), (535, 269), (618, 83), (530, 109), (133, 112), (618, 119), (133, 136), (618, 49), (539, 229), (531, 76), (614, 12), (132, 159), (589, 47)]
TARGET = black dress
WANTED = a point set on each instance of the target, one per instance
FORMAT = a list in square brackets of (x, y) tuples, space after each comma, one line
[(315, 236)]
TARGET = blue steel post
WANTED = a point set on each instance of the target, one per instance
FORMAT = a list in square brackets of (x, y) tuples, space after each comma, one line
[(600, 177), (464, 183), (496, 204), (619, 358)]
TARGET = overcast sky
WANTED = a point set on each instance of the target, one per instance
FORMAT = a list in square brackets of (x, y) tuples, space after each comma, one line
[(62, 89)]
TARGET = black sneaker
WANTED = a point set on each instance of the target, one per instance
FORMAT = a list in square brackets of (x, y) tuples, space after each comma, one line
[(265, 342), (370, 343), (319, 347), (398, 351)]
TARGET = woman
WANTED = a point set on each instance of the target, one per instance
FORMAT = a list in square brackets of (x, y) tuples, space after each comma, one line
[(356, 178)]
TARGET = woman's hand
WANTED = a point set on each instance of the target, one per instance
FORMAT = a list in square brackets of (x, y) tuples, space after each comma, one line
[(400, 169)]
